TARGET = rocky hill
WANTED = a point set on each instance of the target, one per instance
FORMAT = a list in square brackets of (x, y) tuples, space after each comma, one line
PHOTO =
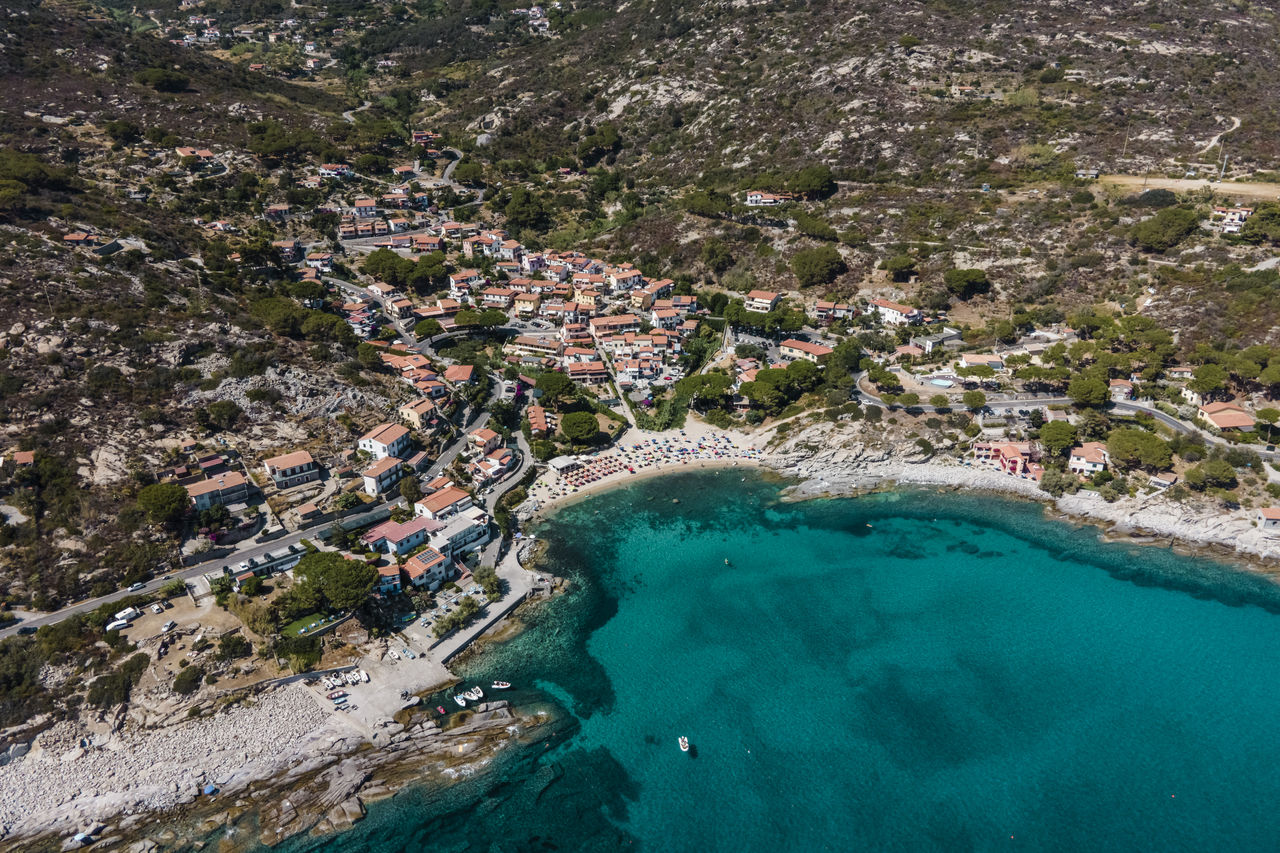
[(952, 90)]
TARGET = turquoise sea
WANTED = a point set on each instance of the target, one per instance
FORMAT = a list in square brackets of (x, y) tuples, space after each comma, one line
[(904, 671)]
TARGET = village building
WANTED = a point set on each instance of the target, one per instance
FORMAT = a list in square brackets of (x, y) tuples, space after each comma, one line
[(1089, 458), (1269, 519), (385, 440), (894, 313), (793, 349), (223, 489), (292, 469), (1018, 459), (382, 475), (1226, 416), (443, 503), (762, 301)]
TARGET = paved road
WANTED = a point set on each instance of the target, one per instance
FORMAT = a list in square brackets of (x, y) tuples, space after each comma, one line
[(1132, 406), (250, 549)]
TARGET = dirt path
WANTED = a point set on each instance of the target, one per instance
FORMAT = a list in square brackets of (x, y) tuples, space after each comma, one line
[(1235, 124), (1184, 185)]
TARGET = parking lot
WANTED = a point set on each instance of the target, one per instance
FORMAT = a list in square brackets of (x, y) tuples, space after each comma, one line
[(419, 632)]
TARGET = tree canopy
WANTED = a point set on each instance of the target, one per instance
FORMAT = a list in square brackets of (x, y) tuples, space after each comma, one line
[(580, 427), (817, 266), (164, 503), (344, 584)]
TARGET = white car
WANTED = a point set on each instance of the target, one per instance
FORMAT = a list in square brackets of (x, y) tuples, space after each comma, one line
[(392, 654)]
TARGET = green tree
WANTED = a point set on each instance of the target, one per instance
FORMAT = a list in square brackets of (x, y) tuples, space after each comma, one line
[(813, 267), (716, 255), (162, 80), (164, 503), (814, 182), (1269, 416), (1211, 473), (1208, 379), (468, 172), (410, 490), (1057, 437), (580, 427), (908, 399), (1058, 483), (554, 386), (525, 211), (344, 584), (974, 400), (188, 680), (901, 267), (940, 401), (1134, 448), (428, 328), (220, 414), (233, 646), (1165, 230), (1088, 392), (966, 283), (489, 581)]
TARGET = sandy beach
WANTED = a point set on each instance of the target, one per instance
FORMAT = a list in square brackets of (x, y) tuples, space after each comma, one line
[(642, 454)]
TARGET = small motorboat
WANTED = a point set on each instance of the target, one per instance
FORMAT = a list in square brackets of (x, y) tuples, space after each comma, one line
[(501, 685), (475, 694), (460, 699), (440, 708), (684, 743), (337, 694)]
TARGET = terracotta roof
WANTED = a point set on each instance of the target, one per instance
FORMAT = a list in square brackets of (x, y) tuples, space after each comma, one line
[(382, 466), (446, 497), (1094, 452), (385, 434), (228, 480), (289, 460)]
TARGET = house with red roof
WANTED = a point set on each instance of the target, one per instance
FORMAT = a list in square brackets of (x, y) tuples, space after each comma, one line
[(1226, 416), (1269, 519), (1089, 458), (385, 440)]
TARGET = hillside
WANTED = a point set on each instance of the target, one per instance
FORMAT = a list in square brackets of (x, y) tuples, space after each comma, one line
[(943, 91)]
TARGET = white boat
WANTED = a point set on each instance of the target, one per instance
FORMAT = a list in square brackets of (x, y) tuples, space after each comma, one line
[(684, 744), (364, 676), (501, 685), (475, 694), (460, 699)]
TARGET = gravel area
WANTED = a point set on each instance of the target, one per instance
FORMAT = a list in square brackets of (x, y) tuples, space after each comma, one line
[(69, 780)]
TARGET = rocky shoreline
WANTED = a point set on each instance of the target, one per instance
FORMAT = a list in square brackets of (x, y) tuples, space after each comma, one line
[(831, 460), (281, 767)]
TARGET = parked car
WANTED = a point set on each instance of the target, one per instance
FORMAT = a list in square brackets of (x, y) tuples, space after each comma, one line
[(157, 608), (168, 626), (27, 630), (118, 625)]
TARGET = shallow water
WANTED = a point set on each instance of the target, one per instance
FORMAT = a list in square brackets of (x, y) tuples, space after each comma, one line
[(903, 671)]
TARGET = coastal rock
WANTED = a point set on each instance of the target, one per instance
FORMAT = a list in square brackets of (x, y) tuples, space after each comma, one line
[(342, 816)]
